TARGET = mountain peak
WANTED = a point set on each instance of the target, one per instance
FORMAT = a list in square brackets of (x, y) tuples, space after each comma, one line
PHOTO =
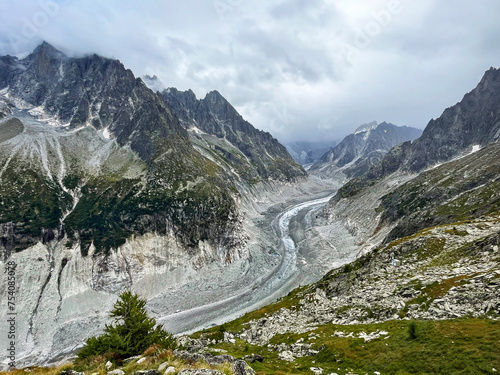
[(214, 96), (357, 152), (47, 50), (365, 127)]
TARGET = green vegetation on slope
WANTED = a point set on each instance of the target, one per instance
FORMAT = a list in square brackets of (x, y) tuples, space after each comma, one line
[(463, 346)]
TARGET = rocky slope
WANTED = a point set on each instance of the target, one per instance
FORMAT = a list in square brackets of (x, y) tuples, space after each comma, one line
[(441, 273), (359, 151), (220, 131), (434, 294)]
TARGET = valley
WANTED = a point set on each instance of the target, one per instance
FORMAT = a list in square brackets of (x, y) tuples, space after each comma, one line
[(108, 186), (295, 266)]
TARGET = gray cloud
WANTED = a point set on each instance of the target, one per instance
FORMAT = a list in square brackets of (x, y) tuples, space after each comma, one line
[(300, 69)]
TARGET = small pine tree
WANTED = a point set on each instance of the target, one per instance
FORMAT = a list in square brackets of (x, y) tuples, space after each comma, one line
[(132, 333)]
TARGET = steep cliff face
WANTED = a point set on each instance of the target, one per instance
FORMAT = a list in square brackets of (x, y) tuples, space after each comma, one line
[(217, 127), (474, 121), (92, 154), (468, 126), (359, 151)]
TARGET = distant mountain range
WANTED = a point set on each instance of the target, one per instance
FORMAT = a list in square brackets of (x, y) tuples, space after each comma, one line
[(359, 151)]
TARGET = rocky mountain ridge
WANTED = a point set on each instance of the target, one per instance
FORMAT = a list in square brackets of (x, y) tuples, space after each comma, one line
[(467, 126), (359, 151), (180, 182), (216, 126)]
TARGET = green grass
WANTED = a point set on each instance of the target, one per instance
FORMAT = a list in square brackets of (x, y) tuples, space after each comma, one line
[(465, 346)]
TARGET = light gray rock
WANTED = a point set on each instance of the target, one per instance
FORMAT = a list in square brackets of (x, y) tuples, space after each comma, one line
[(287, 356), (130, 359), (163, 366), (240, 367), (200, 372)]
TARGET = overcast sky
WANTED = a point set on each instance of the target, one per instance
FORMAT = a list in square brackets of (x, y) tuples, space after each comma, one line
[(300, 69)]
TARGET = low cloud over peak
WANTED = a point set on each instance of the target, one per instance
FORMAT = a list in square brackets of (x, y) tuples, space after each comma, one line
[(298, 69)]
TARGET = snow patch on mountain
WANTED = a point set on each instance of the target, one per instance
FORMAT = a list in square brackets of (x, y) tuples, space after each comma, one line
[(366, 127)]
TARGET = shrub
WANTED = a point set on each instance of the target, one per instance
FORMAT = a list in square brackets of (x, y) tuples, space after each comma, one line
[(412, 331), (132, 333)]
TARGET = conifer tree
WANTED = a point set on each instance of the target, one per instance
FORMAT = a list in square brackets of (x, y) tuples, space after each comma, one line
[(132, 332)]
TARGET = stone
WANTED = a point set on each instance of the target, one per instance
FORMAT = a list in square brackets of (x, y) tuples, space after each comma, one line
[(191, 345), (116, 372), (147, 372), (219, 359), (286, 355), (202, 371), (170, 370), (108, 365), (163, 366), (317, 370), (240, 367), (141, 360)]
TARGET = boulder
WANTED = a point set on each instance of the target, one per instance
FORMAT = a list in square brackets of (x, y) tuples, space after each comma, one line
[(146, 372), (163, 366), (240, 367)]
